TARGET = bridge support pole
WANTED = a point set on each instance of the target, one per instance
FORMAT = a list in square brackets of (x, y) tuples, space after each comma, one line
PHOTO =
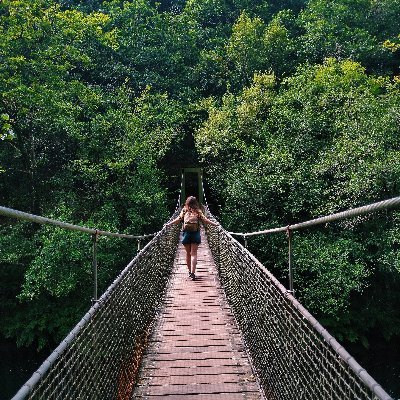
[(94, 251), (200, 185), (183, 191), (289, 234)]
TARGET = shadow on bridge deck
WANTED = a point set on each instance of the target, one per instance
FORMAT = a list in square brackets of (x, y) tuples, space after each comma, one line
[(196, 350)]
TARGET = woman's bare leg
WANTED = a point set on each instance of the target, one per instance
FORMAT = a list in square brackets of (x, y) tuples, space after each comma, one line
[(188, 256), (193, 253)]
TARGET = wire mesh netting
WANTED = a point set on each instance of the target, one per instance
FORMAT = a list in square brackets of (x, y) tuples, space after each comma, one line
[(100, 357), (292, 354)]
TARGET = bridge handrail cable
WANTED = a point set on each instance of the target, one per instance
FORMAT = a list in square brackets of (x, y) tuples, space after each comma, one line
[(353, 212), (9, 212)]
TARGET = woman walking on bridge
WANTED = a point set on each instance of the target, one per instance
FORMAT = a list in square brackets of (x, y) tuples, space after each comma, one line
[(191, 216)]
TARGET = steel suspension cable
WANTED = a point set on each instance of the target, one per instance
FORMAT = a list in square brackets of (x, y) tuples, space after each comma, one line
[(9, 212), (204, 194), (354, 212), (178, 203)]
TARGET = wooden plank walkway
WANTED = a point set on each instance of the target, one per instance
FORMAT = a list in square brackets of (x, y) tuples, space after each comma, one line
[(196, 351)]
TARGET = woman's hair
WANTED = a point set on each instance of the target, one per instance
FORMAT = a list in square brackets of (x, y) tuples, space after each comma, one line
[(191, 203)]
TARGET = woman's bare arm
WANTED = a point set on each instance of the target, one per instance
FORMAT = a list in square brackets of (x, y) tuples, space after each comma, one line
[(174, 222), (208, 221)]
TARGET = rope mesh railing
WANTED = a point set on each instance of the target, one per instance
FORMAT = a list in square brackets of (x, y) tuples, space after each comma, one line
[(292, 354), (100, 356)]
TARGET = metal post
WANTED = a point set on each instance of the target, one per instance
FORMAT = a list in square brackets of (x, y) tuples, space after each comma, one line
[(289, 234), (219, 250), (138, 245), (183, 192), (94, 242), (200, 184)]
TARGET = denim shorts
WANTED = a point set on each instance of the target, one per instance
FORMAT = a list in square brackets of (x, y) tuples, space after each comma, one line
[(191, 237)]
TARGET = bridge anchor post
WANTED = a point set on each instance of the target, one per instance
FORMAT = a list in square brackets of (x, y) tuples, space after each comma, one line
[(94, 263), (289, 234)]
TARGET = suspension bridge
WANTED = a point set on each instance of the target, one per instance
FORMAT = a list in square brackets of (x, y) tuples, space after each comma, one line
[(234, 333)]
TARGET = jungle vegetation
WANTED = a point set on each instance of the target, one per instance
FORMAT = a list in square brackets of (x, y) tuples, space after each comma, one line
[(294, 106)]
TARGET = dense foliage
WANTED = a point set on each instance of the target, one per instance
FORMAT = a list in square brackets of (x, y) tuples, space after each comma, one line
[(80, 143), (324, 140), (294, 107)]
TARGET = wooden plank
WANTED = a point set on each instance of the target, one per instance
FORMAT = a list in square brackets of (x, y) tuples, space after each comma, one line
[(200, 379), (221, 396), (201, 388), (196, 370)]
